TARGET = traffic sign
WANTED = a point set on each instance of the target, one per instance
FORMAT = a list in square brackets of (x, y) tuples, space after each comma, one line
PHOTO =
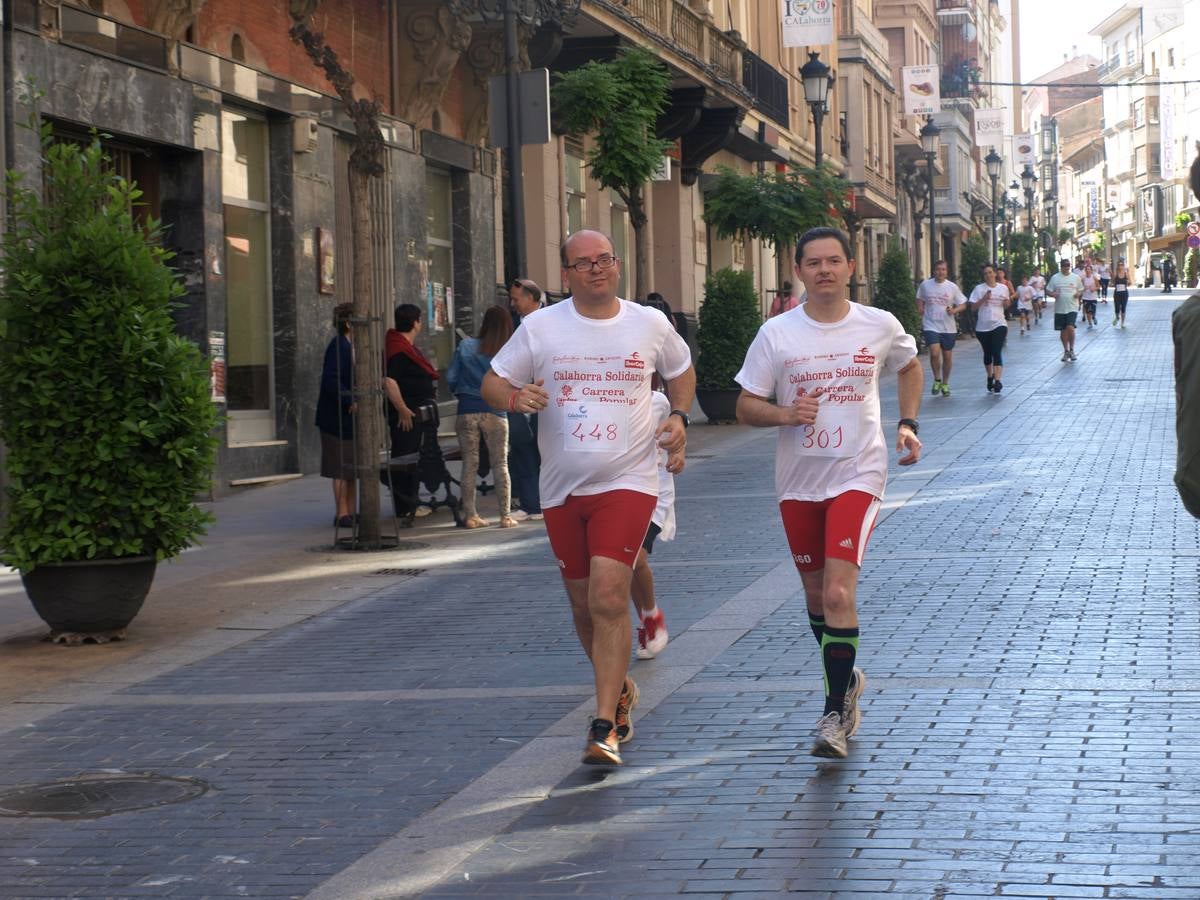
[(1193, 241), (1193, 227)]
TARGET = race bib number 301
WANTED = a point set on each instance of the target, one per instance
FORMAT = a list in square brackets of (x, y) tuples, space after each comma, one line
[(834, 434)]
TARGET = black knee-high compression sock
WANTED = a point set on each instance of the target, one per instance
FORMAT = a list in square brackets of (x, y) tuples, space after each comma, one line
[(817, 624), (839, 647)]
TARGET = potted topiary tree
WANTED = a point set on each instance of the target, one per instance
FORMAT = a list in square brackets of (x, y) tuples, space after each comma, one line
[(728, 321), (104, 410), (894, 290)]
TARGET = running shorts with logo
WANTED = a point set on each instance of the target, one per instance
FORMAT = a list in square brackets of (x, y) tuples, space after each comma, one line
[(837, 528), (611, 524)]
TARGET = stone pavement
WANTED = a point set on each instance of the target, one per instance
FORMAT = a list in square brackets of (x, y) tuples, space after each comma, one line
[(1029, 629)]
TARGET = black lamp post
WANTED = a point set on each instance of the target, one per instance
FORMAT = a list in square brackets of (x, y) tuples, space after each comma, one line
[(817, 81), (930, 140), (993, 161), (1028, 180)]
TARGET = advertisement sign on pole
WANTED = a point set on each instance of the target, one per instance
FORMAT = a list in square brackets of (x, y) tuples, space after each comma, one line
[(922, 90), (1024, 150), (989, 127), (807, 22), (1166, 126)]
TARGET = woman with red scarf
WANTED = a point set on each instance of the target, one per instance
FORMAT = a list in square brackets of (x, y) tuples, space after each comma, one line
[(416, 379)]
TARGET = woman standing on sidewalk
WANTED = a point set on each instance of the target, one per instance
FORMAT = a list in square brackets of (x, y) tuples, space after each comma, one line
[(1120, 284), (476, 420), (990, 299), (335, 417)]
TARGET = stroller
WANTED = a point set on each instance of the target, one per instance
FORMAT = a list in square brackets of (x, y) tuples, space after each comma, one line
[(404, 474)]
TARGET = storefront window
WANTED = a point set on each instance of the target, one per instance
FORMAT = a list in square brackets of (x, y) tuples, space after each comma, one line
[(248, 315), (576, 189), (438, 311)]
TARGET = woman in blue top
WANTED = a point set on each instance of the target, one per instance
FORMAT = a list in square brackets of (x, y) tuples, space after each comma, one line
[(335, 417), (476, 419)]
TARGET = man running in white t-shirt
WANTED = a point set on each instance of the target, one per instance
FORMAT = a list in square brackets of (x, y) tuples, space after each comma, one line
[(585, 365), (1064, 286), (822, 364), (938, 301)]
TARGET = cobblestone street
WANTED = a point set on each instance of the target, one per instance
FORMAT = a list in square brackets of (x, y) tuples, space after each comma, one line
[(1031, 728)]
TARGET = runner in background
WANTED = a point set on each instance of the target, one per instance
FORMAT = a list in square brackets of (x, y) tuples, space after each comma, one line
[(652, 625)]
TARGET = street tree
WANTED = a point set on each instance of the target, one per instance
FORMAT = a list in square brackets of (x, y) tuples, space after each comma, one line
[(775, 207), (366, 162), (618, 102)]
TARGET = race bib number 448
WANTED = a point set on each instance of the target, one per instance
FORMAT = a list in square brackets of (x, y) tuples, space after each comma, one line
[(596, 428)]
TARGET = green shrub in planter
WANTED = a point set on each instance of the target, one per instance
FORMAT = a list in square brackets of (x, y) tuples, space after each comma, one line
[(105, 411), (728, 321), (1191, 268), (894, 289)]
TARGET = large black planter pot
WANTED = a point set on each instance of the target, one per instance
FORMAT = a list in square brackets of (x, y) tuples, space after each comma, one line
[(719, 404), (100, 595)]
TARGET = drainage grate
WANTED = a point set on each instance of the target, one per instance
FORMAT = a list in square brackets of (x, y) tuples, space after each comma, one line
[(412, 573), (95, 796)]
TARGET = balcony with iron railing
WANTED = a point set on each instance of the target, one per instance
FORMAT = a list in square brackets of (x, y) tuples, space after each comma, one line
[(674, 22), (767, 86)]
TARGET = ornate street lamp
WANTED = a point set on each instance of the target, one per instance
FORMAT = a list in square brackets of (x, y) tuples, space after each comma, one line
[(1028, 180), (993, 161), (930, 142), (817, 82)]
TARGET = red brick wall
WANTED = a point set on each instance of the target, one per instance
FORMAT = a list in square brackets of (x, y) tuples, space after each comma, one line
[(356, 29)]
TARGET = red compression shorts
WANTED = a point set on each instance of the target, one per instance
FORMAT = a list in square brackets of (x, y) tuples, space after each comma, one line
[(612, 525), (837, 528)]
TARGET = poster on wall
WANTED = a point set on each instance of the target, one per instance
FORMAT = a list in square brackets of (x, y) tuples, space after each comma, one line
[(989, 127), (325, 261), (216, 365), (429, 313), (1024, 150), (807, 22), (440, 318), (922, 90)]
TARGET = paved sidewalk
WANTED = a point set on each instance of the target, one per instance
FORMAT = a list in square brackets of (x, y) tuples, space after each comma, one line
[(1029, 629)]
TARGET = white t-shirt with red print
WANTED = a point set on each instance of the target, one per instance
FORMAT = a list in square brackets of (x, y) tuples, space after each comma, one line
[(989, 304), (845, 449), (597, 433)]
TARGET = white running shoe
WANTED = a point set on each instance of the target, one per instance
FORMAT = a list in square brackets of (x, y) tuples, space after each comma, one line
[(830, 741), (851, 714)]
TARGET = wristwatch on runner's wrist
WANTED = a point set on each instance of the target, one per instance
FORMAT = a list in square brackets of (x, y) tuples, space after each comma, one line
[(911, 423), (682, 415)]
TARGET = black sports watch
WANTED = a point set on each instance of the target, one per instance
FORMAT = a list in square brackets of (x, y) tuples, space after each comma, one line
[(911, 423), (682, 415)]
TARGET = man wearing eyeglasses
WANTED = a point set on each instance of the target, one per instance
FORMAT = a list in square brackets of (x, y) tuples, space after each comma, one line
[(524, 461), (585, 366)]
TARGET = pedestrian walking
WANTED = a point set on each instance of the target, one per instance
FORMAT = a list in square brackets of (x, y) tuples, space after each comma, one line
[(411, 386), (1064, 286), (1089, 296), (524, 458), (1009, 304), (335, 417), (1169, 276), (939, 300), (584, 365), (1120, 293), (822, 364), (785, 301), (652, 634), (990, 299), (475, 421), (1025, 305)]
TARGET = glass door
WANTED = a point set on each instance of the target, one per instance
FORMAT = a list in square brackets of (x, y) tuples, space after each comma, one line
[(438, 314), (250, 388)]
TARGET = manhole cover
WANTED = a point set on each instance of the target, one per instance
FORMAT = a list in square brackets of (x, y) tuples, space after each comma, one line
[(413, 573), (93, 796)]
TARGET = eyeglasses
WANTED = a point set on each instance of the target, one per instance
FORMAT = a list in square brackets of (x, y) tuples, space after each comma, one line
[(584, 265)]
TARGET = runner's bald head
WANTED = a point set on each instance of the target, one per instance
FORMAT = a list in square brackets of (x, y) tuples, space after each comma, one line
[(565, 249)]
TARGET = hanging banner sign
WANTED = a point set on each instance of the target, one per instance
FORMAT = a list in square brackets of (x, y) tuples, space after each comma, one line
[(922, 90), (1166, 113), (989, 127), (807, 22), (1024, 150)]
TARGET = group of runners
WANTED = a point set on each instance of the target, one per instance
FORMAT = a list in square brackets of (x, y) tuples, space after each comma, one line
[(1075, 292), (609, 446)]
